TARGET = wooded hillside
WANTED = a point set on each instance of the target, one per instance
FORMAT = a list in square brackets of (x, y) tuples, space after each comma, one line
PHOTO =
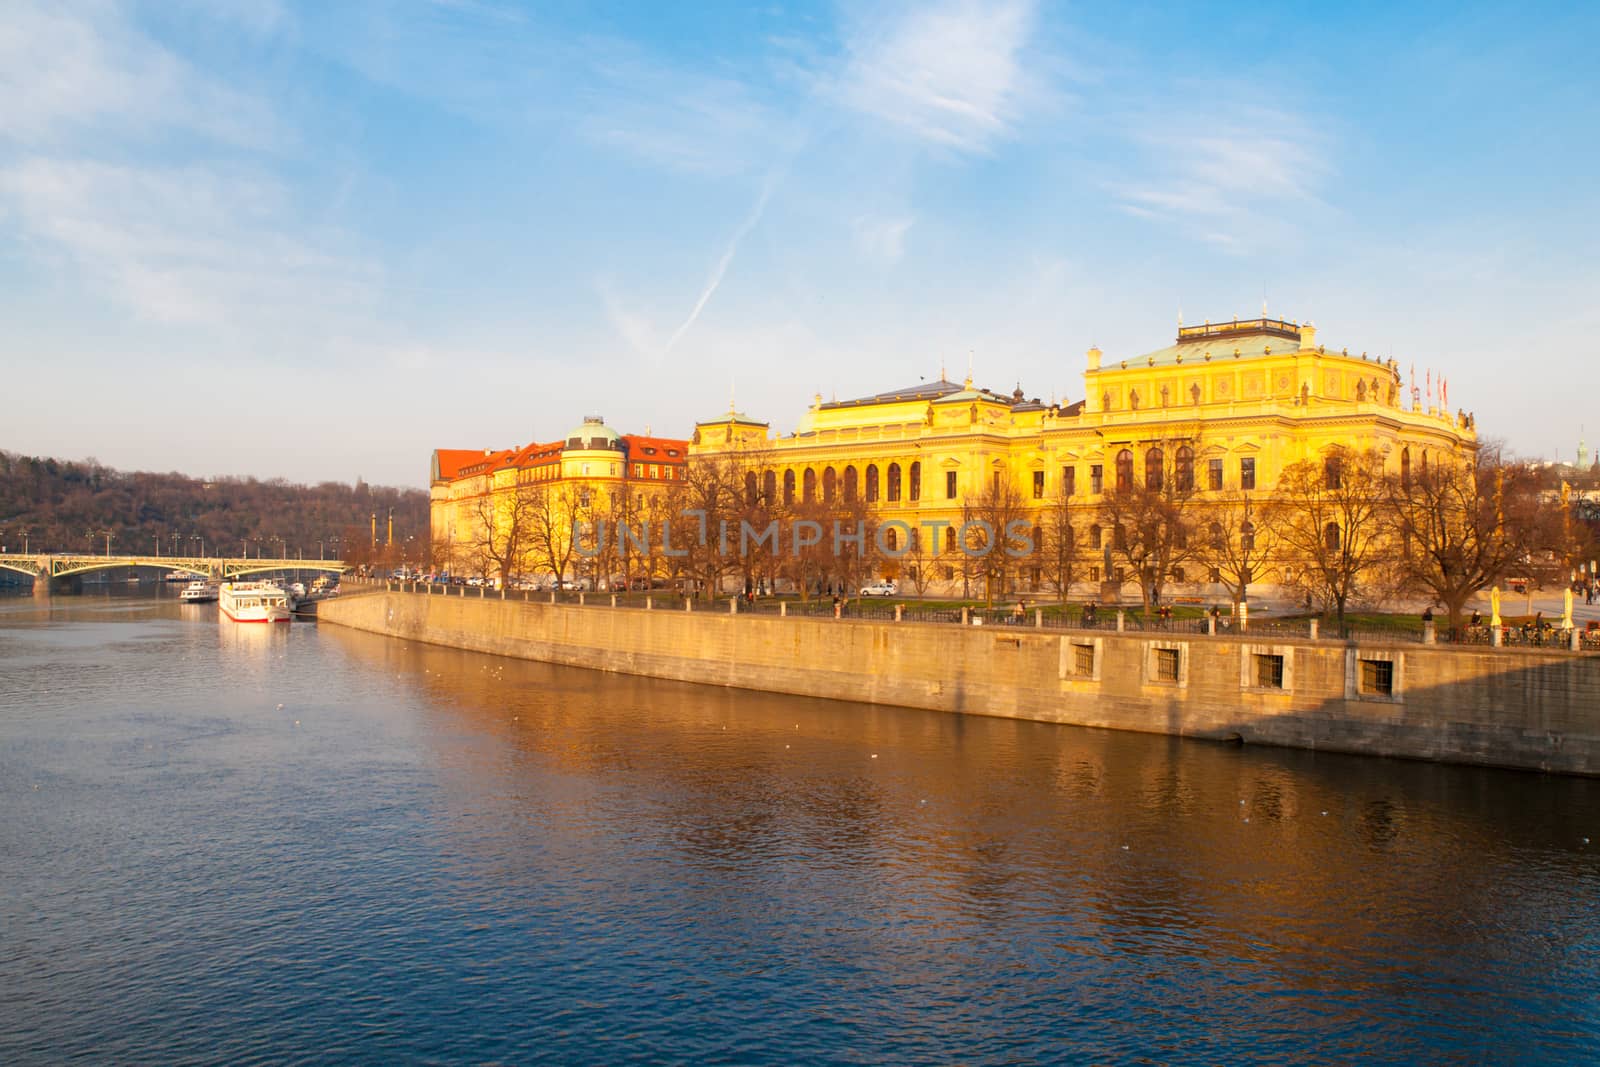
[(52, 505)]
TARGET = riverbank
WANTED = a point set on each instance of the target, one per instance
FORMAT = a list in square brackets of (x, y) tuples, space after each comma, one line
[(1520, 708)]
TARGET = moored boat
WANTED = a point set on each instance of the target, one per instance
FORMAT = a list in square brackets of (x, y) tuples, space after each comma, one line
[(254, 602), (198, 592)]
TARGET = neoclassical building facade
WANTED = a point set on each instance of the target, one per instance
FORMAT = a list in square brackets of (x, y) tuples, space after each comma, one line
[(591, 466), (1230, 404)]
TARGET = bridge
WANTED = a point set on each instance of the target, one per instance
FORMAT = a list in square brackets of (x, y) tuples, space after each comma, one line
[(63, 565)]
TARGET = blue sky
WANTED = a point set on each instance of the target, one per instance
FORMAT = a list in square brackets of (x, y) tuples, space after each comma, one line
[(319, 240)]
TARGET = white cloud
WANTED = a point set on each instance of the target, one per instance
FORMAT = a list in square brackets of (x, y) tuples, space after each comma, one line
[(65, 70), (882, 240), (1244, 170), (951, 74), (179, 244)]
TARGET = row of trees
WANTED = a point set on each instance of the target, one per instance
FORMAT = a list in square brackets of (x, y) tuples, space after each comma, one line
[(1339, 530)]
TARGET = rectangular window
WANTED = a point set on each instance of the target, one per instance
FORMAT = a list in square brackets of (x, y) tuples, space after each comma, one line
[(1069, 481), (1214, 475), (1377, 677), (1269, 671), (1097, 479), (949, 485), (1038, 485), (1083, 660), (1247, 473), (638, 470), (1094, 574), (1166, 664)]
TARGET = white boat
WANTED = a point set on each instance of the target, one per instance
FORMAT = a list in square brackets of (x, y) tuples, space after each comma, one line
[(198, 592), (254, 602)]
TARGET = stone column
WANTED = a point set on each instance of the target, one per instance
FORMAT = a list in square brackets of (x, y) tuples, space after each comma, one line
[(1315, 624), (899, 612), (1429, 635), (1038, 618), (733, 605), (1121, 620)]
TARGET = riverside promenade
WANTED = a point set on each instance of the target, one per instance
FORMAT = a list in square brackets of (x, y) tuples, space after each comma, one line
[(1527, 708)]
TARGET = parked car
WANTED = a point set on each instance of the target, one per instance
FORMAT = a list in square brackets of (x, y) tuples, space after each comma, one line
[(881, 588)]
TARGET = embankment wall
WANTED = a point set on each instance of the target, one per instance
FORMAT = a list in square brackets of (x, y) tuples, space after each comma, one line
[(1505, 707)]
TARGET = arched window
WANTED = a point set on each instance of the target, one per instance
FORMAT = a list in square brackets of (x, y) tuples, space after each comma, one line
[(1218, 538), (1124, 470), (788, 487), (872, 483), (851, 483), (769, 488), (1094, 536), (1405, 468), (1153, 472), (1183, 470), (1119, 536), (1247, 536), (830, 485), (1330, 537), (750, 490), (1068, 539), (809, 486), (949, 538), (894, 482), (915, 489), (892, 540), (1333, 471)]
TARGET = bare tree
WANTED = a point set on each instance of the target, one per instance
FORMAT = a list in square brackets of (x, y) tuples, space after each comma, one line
[(989, 522), (1058, 550), (503, 531), (1234, 542), (1148, 516), (1460, 526), (550, 510), (1330, 518)]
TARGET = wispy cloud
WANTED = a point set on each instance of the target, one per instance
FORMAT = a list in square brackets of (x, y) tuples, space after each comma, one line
[(182, 244), (67, 69), (950, 74), (1209, 172), (882, 240)]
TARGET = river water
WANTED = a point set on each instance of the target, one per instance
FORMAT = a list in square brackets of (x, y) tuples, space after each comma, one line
[(236, 844)]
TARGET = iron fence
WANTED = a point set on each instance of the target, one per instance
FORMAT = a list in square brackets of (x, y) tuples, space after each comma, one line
[(1528, 634)]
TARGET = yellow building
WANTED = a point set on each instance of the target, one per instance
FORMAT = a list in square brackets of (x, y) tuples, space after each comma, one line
[(511, 511), (1228, 406)]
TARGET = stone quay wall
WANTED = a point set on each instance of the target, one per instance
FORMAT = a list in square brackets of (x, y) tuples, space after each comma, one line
[(1521, 708)]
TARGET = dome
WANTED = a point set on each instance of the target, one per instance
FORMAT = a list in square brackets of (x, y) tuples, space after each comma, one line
[(594, 434)]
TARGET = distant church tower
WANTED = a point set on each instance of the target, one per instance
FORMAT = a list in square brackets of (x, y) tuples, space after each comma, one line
[(1583, 454)]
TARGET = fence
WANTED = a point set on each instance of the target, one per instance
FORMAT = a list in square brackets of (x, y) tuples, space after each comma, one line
[(1364, 629)]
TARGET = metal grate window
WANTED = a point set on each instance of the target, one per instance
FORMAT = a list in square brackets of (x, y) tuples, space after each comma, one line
[(1377, 676), (1083, 660), (1166, 664), (1269, 672)]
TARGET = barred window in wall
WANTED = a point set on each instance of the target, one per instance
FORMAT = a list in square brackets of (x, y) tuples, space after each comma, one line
[(1165, 662), (1269, 671)]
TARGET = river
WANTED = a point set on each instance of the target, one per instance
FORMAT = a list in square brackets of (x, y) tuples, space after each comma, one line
[(237, 844)]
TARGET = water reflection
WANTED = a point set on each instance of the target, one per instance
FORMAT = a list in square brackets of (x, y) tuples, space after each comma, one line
[(482, 857)]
